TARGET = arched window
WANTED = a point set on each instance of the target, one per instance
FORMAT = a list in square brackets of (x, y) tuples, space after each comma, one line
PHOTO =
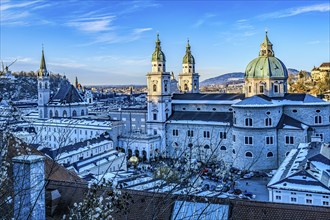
[(154, 88), (50, 113), (318, 119), (268, 122), (248, 154), (223, 148), (56, 113), (165, 85), (207, 147), (82, 112), (270, 154), (185, 87), (65, 114), (74, 113), (190, 145), (40, 85), (248, 122)]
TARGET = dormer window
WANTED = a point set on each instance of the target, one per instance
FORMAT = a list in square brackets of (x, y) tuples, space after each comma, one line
[(261, 89), (154, 88), (276, 90)]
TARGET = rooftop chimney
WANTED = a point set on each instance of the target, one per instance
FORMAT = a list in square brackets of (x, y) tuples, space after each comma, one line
[(29, 178)]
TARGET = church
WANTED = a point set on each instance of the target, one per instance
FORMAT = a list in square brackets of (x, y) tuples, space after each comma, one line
[(66, 103), (255, 130), (252, 131)]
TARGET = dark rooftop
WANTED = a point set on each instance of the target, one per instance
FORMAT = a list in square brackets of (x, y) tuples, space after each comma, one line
[(67, 94), (287, 120), (212, 96), (202, 116)]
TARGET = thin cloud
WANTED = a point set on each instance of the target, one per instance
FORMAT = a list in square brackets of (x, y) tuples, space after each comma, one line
[(203, 20), (297, 11), (19, 14), (8, 5), (94, 24)]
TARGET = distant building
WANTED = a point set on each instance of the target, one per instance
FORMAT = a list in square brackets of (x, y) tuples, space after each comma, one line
[(321, 72), (303, 177)]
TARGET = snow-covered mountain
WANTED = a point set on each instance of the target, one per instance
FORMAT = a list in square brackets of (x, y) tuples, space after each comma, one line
[(236, 77)]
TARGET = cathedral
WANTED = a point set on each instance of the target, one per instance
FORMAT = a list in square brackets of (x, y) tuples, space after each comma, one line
[(255, 130), (252, 131)]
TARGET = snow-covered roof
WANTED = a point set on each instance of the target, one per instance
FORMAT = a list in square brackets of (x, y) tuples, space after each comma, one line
[(288, 99), (303, 170), (75, 123)]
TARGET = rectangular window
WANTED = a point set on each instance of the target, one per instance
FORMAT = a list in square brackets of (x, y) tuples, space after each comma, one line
[(142, 119), (318, 119), (250, 89), (206, 134), (319, 135), (289, 140), (308, 194), (234, 138), (248, 140), (293, 199), (133, 119), (223, 135), (261, 89), (326, 203), (268, 122), (155, 117), (248, 122), (190, 133), (309, 201), (276, 88), (269, 140), (278, 197), (175, 132)]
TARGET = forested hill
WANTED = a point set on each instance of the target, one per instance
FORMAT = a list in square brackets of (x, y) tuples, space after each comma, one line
[(24, 86)]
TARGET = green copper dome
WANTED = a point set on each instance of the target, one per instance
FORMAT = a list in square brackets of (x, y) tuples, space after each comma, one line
[(266, 65), (188, 58), (158, 55)]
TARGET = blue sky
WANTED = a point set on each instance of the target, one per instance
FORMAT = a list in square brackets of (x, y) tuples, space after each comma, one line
[(111, 42)]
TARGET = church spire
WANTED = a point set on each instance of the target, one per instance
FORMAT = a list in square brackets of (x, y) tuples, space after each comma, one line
[(43, 69), (266, 47)]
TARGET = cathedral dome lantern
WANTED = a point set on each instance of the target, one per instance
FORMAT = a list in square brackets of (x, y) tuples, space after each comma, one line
[(268, 71)]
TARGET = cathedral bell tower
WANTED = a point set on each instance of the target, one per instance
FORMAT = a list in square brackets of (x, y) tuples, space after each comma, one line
[(43, 88), (159, 94), (188, 79)]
